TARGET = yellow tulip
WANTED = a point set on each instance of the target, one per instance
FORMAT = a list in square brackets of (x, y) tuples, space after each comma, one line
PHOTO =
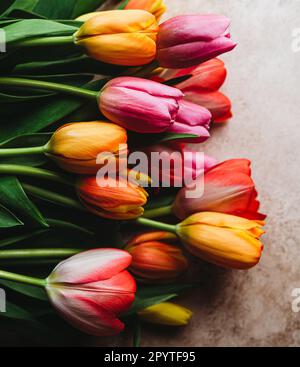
[(121, 37), (156, 7), (166, 313), (222, 239), (75, 147)]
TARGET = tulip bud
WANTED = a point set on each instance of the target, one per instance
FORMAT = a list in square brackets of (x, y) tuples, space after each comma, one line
[(119, 37), (222, 239), (140, 105), (189, 40), (228, 188), (155, 260), (75, 147), (216, 102), (166, 313), (90, 290), (112, 198), (192, 119), (156, 7), (206, 77), (202, 87)]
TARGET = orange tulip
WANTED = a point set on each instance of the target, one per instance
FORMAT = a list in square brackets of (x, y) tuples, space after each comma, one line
[(222, 239), (75, 146), (155, 260), (156, 7), (112, 198), (119, 37)]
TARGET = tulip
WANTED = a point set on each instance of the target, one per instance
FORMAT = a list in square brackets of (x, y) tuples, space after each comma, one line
[(206, 77), (75, 147), (228, 188), (189, 40), (192, 119), (202, 87), (140, 105), (112, 198), (166, 313), (155, 260), (119, 37), (225, 240), (216, 102), (156, 7), (186, 164), (91, 289)]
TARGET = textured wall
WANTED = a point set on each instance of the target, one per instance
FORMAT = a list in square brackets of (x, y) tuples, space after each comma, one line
[(254, 307)]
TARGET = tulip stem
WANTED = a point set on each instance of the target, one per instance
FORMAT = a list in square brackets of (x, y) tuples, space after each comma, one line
[(5, 152), (157, 225), (22, 279), (53, 197), (48, 86), (38, 253), (158, 212), (45, 41), (14, 169)]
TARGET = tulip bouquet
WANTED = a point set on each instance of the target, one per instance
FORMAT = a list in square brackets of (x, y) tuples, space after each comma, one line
[(85, 94)]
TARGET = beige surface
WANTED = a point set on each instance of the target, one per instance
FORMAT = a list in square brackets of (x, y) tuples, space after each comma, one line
[(253, 308)]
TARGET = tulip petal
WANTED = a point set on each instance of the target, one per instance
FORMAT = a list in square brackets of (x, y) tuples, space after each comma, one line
[(91, 266)]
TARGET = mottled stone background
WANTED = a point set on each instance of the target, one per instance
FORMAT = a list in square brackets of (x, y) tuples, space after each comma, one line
[(252, 308)]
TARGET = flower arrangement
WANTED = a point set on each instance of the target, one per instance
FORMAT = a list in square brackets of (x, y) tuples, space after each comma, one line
[(122, 234)]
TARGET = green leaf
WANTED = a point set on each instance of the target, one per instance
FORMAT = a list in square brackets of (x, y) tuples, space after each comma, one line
[(141, 303), (27, 5), (28, 28), (66, 9), (27, 290), (46, 113), (172, 136), (22, 141), (7, 219), (4, 5), (67, 225), (15, 239), (180, 79), (160, 201), (16, 312), (13, 197)]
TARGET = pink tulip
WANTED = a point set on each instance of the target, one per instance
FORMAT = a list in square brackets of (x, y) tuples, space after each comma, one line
[(90, 290), (140, 105), (188, 40), (192, 119)]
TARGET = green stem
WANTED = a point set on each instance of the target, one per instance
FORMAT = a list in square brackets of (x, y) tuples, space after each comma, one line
[(14, 169), (38, 253), (45, 41), (157, 225), (22, 279), (158, 212), (48, 86), (53, 197), (21, 151)]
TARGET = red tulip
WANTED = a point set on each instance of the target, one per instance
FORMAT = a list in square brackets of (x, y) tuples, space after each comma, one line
[(90, 290), (202, 88), (228, 188)]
